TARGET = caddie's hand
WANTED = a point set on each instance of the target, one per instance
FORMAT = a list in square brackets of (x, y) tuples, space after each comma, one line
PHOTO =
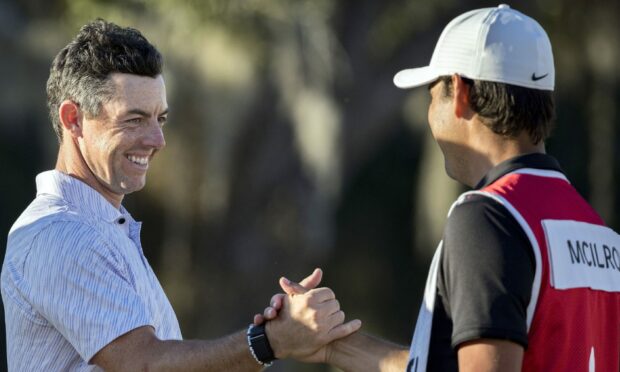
[(271, 312), (307, 322)]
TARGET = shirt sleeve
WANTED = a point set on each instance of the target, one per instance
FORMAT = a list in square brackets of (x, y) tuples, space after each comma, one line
[(81, 286), (488, 270)]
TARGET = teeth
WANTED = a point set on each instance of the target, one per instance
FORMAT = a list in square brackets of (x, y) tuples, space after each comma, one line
[(142, 160)]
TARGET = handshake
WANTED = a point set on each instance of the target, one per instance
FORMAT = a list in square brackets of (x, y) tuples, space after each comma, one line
[(301, 323)]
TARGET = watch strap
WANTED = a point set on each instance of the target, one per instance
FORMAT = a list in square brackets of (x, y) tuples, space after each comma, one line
[(259, 345)]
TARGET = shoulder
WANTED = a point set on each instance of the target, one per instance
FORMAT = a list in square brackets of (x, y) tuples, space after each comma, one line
[(54, 245), (71, 241), (478, 224), (47, 253), (474, 211), (46, 214)]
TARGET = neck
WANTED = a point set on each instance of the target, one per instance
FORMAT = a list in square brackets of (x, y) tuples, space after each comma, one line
[(493, 150), (71, 162)]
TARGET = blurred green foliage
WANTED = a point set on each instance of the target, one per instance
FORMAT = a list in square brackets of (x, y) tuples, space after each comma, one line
[(289, 147)]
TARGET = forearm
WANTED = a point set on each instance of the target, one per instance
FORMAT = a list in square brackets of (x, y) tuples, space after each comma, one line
[(363, 352), (230, 353)]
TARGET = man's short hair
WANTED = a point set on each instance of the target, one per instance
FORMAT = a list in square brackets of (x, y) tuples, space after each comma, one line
[(509, 109), (80, 70)]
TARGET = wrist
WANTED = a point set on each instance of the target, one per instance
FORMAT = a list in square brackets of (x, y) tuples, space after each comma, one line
[(344, 353), (259, 345), (274, 341), (329, 353)]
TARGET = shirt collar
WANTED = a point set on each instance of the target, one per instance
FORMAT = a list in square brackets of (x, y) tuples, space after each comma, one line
[(535, 160), (79, 195)]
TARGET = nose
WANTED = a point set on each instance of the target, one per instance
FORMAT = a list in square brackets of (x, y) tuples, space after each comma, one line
[(155, 137)]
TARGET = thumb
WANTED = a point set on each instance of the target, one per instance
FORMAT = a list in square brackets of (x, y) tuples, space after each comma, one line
[(291, 288), (313, 280)]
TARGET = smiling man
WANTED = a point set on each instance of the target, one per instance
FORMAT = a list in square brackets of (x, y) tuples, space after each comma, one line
[(111, 152), (78, 293)]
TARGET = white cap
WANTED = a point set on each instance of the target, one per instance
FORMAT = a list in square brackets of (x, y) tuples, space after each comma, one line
[(493, 44)]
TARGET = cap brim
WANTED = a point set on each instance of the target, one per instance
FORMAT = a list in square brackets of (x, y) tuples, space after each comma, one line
[(415, 77)]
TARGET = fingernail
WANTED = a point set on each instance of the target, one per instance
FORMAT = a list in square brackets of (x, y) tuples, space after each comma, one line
[(286, 281)]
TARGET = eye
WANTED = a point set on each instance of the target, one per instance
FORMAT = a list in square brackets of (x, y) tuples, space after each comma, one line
[(134, 120), (162, 120)]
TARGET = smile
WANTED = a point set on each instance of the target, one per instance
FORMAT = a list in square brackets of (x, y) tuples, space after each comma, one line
[(139, 160)]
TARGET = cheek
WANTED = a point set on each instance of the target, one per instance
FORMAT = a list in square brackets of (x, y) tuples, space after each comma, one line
[(429, 115), (100, 147), (94, 138), (434, 120), (112, 141), (440, 120)]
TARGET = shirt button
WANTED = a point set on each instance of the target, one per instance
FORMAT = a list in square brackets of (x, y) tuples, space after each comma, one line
[(121, 221)]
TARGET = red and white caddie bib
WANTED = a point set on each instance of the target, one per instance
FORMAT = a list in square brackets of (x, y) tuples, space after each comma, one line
[(573, 317)]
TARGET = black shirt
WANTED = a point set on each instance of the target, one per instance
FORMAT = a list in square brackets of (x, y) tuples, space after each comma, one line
[(486, 273)]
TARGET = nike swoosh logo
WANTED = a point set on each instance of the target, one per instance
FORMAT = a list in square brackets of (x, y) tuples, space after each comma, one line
[(536, 78)]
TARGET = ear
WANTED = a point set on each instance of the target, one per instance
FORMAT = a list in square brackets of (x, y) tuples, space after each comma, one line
[(460, 97), (70, 118)]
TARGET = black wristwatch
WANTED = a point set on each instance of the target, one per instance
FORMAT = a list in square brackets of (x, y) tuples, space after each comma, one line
[(259, 345)]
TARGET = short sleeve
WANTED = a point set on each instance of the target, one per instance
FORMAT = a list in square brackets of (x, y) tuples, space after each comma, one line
[(487, 274), (80, 285)]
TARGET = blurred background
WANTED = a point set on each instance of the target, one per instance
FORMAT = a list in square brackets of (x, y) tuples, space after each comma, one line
[(289, 148)]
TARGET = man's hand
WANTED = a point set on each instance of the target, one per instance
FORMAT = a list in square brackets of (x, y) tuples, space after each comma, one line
[(271, 312), (307, 321)]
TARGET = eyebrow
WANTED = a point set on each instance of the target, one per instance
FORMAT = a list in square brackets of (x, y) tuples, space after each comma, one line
[(144, 113)]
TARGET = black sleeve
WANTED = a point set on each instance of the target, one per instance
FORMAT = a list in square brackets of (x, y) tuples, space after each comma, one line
[(487, 273)]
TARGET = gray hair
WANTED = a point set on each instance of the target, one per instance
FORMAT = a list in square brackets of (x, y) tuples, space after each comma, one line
[(80, 71)]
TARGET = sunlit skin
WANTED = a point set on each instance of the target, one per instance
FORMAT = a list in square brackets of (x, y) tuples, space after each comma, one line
[(449, 131), (469, 147), (112, 151)]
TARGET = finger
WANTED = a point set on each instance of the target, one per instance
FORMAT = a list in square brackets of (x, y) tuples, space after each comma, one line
[(270, 313), (327, 308), (344, 330), (320, 295), (291, 288), (276, 301), (313, 280), (258, 319), (336, 318)]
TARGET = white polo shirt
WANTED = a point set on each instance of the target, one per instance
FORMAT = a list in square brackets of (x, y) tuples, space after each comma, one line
[(75, 278)]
